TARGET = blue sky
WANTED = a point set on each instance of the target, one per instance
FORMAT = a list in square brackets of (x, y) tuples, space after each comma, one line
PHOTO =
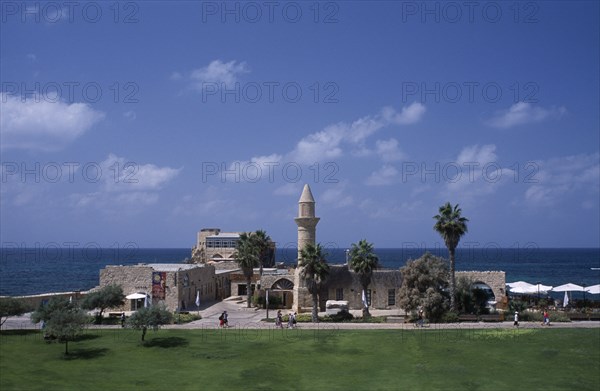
[(142, 122)]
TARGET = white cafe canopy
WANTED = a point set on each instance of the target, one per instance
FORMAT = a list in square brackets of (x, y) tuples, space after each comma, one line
[(594, 289), (568, 288), (134, 296), (525, 287)]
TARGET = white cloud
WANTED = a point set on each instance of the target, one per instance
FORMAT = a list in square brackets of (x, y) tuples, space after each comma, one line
[(130, 115), (41, 124), (222, 73), (120, 174), (327, 144), (475, 172), (31, 57), (409, 114), (524, 113), (555, 179), (337, 196), (124, 187), (388, 150), (386, 175)]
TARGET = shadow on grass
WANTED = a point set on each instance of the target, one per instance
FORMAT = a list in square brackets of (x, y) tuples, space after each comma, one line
[(170, 342), (86, 337), (85, 354), (19, 332)]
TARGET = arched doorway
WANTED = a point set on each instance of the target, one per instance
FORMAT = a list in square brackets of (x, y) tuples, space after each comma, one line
[(284, 289)]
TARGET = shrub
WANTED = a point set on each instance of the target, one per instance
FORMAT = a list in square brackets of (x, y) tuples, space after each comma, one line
[(538, 316), (450, 317), (185, 318), (274, 302), (342, 316)]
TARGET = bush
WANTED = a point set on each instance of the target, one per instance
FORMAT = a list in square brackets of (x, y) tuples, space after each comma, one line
[(450, 317), (537, 316), (185, 318), (274, 302), (517, 305), (342, 316)]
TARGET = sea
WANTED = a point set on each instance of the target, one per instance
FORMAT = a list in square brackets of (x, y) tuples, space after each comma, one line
[(28, 271)]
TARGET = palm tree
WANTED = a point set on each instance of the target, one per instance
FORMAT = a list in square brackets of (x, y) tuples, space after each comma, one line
[(247, 257), (451, 226), (263, 243), (314, 272), (363, 261)]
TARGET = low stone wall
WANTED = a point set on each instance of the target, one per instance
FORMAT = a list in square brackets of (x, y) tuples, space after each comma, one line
[(35, 300)]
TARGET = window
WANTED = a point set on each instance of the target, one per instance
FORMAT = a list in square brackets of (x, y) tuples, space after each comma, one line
[(339, 294), (391, 297), (242, 290)]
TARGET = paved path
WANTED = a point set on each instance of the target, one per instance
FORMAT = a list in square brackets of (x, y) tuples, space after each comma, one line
[(242, 317)]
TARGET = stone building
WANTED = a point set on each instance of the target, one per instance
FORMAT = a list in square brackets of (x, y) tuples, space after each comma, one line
[(216, 276), (212, 245), (174, 284), (344, 284)]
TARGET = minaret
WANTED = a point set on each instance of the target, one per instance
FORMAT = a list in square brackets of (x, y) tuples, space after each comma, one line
[(306, 220), (307, 234)]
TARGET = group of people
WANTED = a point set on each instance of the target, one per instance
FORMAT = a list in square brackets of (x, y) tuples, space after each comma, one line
[(291, 320), (223, 320), (545, 322)]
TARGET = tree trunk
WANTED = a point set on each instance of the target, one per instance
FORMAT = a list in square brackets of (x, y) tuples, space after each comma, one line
[(315, 309), (365, 310), (249, 288), (66, 348), (143, 333), (452, 280)]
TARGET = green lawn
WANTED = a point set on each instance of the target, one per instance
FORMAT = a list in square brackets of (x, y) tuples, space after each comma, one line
[(327, 359)]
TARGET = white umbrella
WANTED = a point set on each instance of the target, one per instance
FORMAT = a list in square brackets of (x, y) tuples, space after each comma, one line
[(539, 288), (594, 289), (135, 296), (568, 288), (519, 286)]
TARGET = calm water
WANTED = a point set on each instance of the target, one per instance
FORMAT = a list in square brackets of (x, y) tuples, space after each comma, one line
[(30, 271)]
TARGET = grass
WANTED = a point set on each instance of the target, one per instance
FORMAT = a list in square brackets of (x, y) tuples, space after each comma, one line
[(326, 359)]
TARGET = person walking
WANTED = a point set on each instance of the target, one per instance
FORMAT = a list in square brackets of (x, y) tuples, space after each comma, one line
[(546, 319), (279, 320), (122, 319), (516, 319), (420, 320), (222, 320), (291, 320), (225, 320)]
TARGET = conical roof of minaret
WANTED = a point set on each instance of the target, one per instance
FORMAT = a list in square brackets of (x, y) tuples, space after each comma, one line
[(306, 195)]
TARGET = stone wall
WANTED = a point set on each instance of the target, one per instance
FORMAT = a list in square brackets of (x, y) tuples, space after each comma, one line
[(181, 286), (35, 300), (383, 283), (496, 280)]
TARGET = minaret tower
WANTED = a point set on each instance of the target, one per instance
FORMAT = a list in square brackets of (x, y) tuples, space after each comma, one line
[(307, 234), (306, 220)]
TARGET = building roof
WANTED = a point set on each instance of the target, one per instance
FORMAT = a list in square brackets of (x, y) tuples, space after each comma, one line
[(224, 235), (306, 195), (172, 267)]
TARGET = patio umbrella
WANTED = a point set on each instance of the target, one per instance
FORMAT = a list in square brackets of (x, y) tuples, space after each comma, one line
[(568, 288), (539, 288), (594, 289), (519, 286)]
